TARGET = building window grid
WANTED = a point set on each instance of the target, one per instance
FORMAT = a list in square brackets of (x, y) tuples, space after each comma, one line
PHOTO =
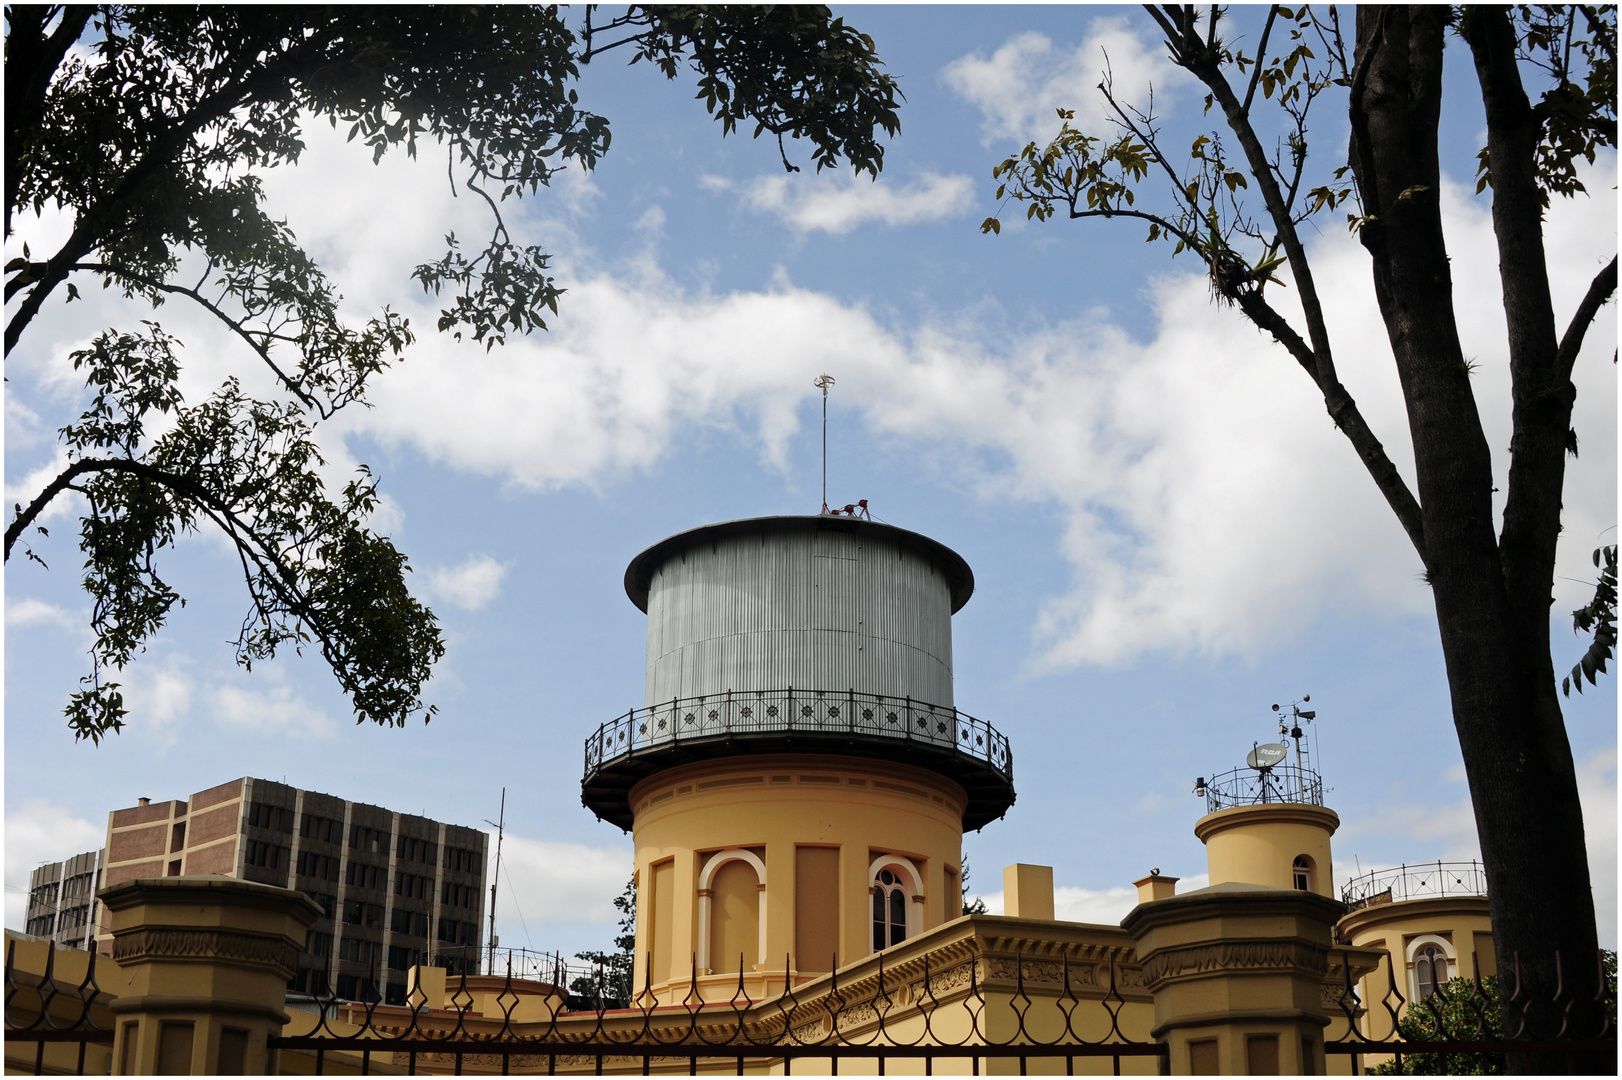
[(268, 855)]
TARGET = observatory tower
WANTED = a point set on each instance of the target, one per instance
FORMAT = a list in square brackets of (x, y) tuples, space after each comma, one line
[(1267, 823), (798, 783)]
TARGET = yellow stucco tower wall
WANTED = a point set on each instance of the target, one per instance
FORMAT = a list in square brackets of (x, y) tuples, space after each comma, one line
[(1260, 844), (772, 858)]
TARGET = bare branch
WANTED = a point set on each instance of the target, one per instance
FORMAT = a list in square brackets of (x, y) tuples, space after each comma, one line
[(1261, 57), (1571, 342), (27, 515), (1348, 418), (1187, 238), (236, 326)]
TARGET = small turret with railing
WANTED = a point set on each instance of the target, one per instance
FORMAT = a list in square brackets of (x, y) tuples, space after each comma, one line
[(1416, 881), (1268, 775)]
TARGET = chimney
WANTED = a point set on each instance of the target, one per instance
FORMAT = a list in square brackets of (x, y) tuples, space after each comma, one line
[(1027, 891), (1155, 887), (144, 801)]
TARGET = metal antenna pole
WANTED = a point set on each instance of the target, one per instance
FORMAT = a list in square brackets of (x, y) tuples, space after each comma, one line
[(824, 381), (501, 826)]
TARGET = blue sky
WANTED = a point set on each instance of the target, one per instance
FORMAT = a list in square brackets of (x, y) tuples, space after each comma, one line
[(1166, 532)]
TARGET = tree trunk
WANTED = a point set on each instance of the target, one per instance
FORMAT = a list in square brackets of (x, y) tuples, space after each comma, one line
[(1492, 599)]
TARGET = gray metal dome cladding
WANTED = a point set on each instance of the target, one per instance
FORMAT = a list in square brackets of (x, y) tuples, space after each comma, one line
[(819, 603)]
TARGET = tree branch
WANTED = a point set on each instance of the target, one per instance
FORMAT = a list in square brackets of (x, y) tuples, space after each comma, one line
[(1204, 64), (250, 547), (235, 325), (1261, 57), (91, 224), (1347, 417), (28, 513), (31, 60), (1571, 342)]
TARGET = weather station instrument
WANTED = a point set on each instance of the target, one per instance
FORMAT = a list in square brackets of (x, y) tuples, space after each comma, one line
[(1269, 775)]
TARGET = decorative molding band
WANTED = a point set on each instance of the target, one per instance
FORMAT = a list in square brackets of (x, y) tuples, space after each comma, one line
[(1219, 1018), (148, 944), (1232, 956), (172, 1004), (1332, 994)]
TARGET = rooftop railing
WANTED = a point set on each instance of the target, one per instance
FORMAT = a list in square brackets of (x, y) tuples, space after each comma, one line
[(1278, 784), (1417, 881), (813, 713)]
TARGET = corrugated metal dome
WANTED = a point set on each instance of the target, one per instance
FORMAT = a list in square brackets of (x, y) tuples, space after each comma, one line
[(812, 634), (822, 602)]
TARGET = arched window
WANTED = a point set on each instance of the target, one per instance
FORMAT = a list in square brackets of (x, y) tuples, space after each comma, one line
[(889, 910), (1301, 870), (730, 909), (1430, 970)]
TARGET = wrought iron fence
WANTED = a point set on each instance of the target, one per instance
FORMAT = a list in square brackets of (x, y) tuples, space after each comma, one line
[(44, 1010), (1277, 784), (1415, 882), (975, 1009), (1471, 1031), (809, 712)]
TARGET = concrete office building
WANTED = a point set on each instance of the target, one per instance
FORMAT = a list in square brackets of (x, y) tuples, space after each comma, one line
[(395, 889), (62, 902)]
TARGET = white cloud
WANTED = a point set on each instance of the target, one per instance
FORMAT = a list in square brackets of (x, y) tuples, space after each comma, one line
[(158, 692), (29, 487), (40, 832), (1106, 907), (548, 885), (1019, 87), (31, 612), (277, 711), (839, 202), (23, 425), (1208, 503), (1596, 785), (470, 585)]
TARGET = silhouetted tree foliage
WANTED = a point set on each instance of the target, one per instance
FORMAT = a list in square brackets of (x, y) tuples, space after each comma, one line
[(609, 987), (151, 127), (977, 906), (1462, 1011), (1239, 199)]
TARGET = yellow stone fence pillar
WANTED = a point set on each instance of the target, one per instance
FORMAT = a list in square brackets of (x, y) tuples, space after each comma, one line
[(1237, 973), (205, 963)]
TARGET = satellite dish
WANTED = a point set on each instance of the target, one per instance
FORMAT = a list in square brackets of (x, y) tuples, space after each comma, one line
[(1267, 755)]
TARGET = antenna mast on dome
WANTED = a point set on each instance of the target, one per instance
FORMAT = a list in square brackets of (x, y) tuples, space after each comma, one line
[(823, 382)]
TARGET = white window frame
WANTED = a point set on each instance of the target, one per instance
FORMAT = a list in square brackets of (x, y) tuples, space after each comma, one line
[(707, 875), (913, 881), (1412, 952)]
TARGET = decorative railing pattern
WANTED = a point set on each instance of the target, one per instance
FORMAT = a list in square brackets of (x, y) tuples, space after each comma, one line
[(1415, 882), (1278, 784), (1013, 1007), (1469, 1027), (736, 714), (970, 1011), (527, 964)]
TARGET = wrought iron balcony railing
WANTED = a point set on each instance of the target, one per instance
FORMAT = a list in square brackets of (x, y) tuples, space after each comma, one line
[(1279, 784), (1419, 881), (733, 715)]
